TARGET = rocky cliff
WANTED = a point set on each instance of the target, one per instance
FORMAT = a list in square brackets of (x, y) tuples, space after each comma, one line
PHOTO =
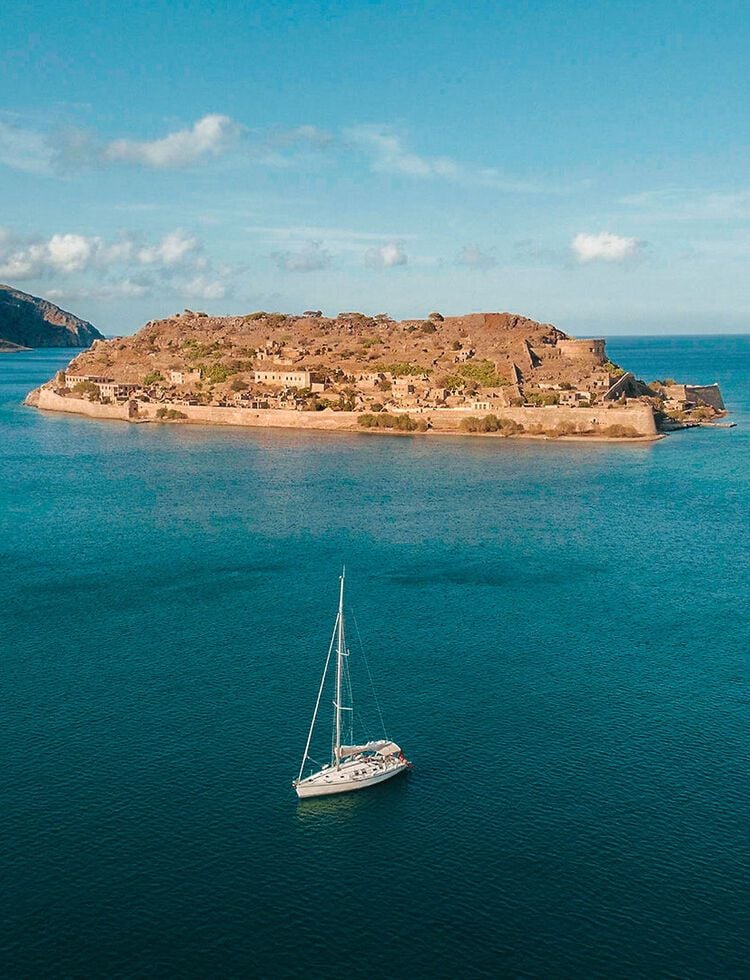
[(28, 321)]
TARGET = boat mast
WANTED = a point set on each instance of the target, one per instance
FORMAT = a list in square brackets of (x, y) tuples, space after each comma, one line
[(339, 655), (317, 702)]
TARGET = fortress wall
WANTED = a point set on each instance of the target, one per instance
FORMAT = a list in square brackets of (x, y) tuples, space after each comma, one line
[(48, 399), (281, 417), (706, 394), (586, 349), (639, 416)]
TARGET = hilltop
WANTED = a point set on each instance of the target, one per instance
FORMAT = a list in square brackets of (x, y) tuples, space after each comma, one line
[(460, 353), (29, 321)]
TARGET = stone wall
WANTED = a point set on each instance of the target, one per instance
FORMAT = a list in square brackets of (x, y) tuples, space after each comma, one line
[(640, 417), (705, 395)]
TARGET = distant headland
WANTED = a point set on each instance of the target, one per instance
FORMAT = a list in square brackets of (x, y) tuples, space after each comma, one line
[(481, 373), (29, 321)]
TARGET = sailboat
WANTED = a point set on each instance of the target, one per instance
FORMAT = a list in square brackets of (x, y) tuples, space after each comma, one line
[(352, 766)]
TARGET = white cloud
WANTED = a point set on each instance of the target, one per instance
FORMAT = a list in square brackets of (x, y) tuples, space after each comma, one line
[(474, 258), (68, 150), (23, 149), (209, 136), (604, 247), (174, 249), (385, 257), (70, 253), (203, 287), (335, 240), (115, 289), (74, 266), (27, 259), (390, 156), (310, 258)]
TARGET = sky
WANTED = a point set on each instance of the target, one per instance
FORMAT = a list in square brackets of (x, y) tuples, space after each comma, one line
[(582, 163)]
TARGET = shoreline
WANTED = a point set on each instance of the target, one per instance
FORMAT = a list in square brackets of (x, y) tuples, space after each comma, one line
[(447, 424)]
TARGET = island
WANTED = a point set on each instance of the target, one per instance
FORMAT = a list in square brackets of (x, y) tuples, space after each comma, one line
[(28, 321), (498, 374)]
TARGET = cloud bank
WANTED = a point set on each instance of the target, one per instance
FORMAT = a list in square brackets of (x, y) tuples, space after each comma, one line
[(125, 266)]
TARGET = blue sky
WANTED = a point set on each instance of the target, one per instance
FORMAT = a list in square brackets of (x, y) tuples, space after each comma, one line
[(584, 163)]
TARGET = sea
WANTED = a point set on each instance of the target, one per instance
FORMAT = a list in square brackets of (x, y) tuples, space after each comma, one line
[(558, 638)]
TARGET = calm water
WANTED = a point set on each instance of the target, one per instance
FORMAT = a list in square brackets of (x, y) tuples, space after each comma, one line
[(559, 637)]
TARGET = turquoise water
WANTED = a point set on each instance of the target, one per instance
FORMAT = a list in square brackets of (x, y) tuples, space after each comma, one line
[(559, 639)]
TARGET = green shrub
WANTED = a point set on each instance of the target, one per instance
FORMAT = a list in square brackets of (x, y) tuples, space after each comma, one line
[(194, 350), (614, 369), (216, 373), (618, 431), (152, 377), (452, 382), (384, 420), (482, 372), (87, 388), (564, 429), (400, 369), (543, 398), (320, 404), (169, 413), (509, 427), (491, 423)]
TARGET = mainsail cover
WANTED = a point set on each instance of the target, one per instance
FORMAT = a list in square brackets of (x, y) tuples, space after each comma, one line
[(383, 748)]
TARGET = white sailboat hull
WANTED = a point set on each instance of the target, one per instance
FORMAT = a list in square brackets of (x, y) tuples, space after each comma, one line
[(347, 779)]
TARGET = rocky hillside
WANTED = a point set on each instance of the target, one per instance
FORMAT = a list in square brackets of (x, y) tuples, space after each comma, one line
[(506, 345), (28, 321)]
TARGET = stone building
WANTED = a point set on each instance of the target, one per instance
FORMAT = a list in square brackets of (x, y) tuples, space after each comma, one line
[(71, 380), (116, 390), (294, 378), (184, 377)]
